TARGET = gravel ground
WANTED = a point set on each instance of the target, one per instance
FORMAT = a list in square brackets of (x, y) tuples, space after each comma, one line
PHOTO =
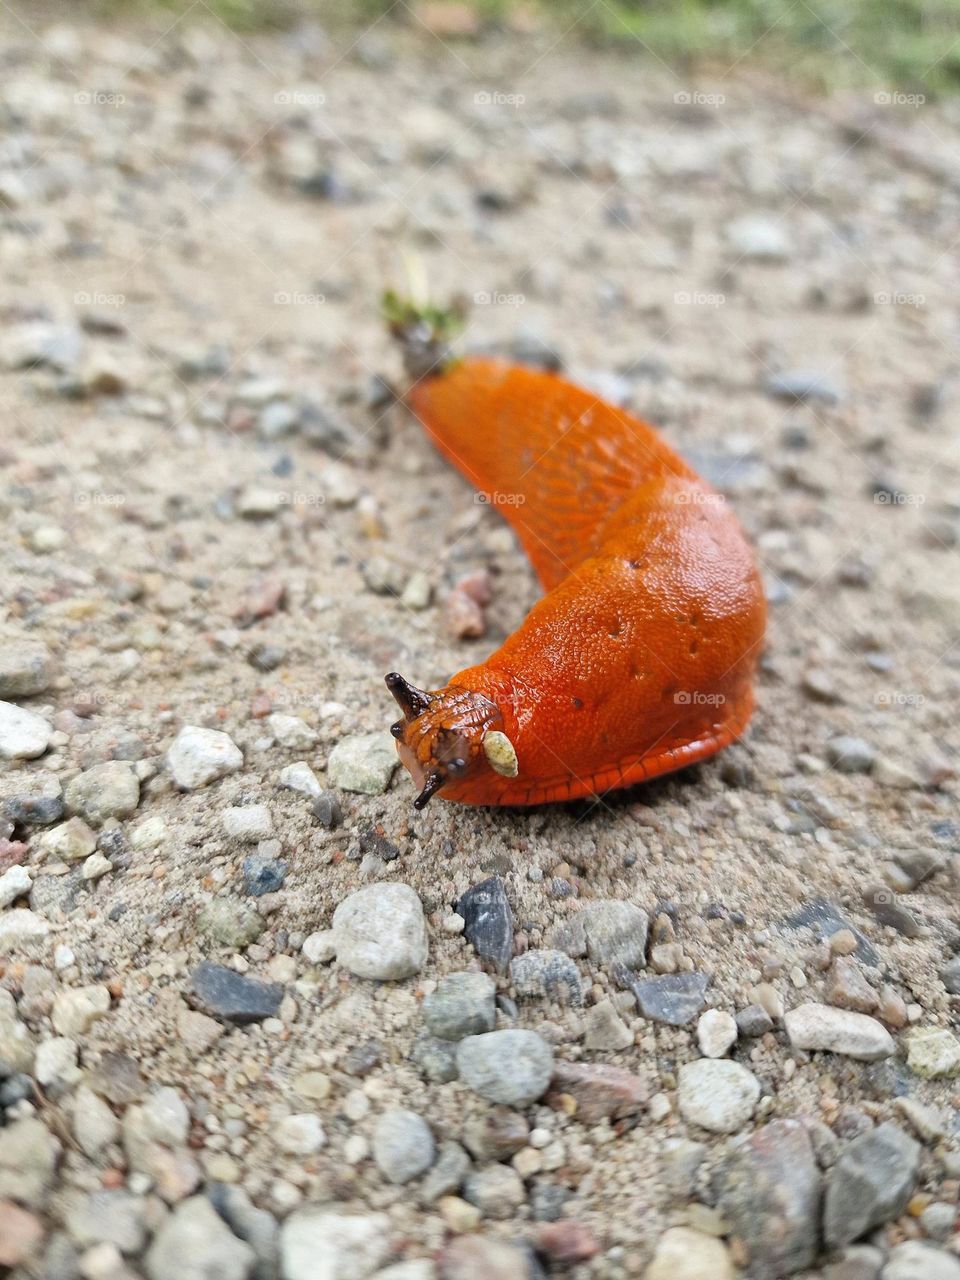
[(258, 1018)]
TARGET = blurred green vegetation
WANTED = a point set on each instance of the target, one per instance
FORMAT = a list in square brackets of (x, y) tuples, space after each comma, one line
[(908, 44)]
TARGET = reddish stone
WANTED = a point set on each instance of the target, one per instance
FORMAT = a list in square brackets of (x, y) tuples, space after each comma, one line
[(599, 1091), (20, 1235), (566, 1241)]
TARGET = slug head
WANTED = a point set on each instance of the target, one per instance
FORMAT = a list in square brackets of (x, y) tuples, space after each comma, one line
[(449, 737)]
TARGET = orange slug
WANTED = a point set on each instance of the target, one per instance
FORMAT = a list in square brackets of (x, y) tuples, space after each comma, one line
[(639, 658)]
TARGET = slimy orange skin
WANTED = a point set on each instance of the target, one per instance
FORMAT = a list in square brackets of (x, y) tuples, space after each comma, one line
[(640, 657)]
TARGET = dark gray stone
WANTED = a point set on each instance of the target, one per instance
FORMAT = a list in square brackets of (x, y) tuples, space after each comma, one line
[(870, 1184), (263, 875), (547, 973), (673, 998), (769, 1189), (222, 993), (327, 811), (950, 976), (31, 798), (888, 909), (435, 1059), (462, 1005), (824, 919), (796, 385), (753, 1021), (488, 921)]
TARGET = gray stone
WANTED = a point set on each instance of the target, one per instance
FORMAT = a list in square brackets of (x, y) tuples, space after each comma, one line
[(28, 1161), (463, 1004), (858, 1262), (672, 998), (108, 790), (434, 1058), (300, 777), (23, 734), (380, 932), (870, 1184), (447, 1173), (889, 910), (938, 1219), (488, 921), (231, 997), (680, 1161), (31, 798), (950, 976), (350, 1246), (263, 875), (230, 921), (363, 763), (753, 1021), (717, 1094), (402, 1145), (496, 1190), (512, 1066), (918, 865), (760, 238), (256, 1226), (16, 1042), (824, 919), (547, 973), (604, 1031), (804, 385), (199, 756), (820, 1026), (71, 841), (18, 927), (768, 1188), (194, 1243), (850, 755), (496, 1134), (610, 931), (26, 668), (248, 822), (914, 1260), (109, 1217), (932, 1052)]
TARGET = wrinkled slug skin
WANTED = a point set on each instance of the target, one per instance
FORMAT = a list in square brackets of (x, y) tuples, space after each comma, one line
[(640, 657)]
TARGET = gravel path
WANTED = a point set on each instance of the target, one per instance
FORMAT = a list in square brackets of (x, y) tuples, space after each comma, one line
[(258, 1019)]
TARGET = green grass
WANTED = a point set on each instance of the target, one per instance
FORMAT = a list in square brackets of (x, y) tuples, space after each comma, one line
[(906, 44)]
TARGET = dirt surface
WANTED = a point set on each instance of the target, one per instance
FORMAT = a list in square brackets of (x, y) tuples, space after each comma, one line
[(195, 228)]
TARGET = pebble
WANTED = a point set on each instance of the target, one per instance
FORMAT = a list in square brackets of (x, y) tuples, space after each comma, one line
[(108, 790), (23, 734), (248, 823), (198, 1032), (673, 998), (609, 931), (768, 1188), (821, 1027), (291, 731), (604, 1031), (200, 756), (299, 1135), (470, 1257), (600, 1091), (263, 875), (232, 997), (351, 1246), (753, 1022), (716, 1033), (76, 1010), (546, 973), (96, 867), (319, 948), (363, 763), (796, 385), (402, 1145), (938, 1220), (380, 932), (300, 777), (26, 668), (446, 1174), (463, 1004), (230, 922), (327, 811), (31, 799), (847, 987), (870, 1184), (496, 1190), (932, 1052), (488, 921), (55, 1065), (194, 1243), (94, 1124), (71, 841), (914, 1260), (28, 1160), (512, 1066), (21, 1234), (717, 1094), (850, 755), (19, 926), (435, 1059), (109, 1217), (16, 1042), (683, 1254), (759, 238), (256, 1226), (14, 883)]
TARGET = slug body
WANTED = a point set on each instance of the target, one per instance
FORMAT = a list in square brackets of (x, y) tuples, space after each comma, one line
[(639, 659)]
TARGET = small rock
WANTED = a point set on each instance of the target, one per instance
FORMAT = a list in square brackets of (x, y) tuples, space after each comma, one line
[(14, 883), (263, 875), (599, 1091), (682, 1254), (194, 1243), (488, 921), (299, 1135), (604, 1031), (447, 1173), (796, 385), (248, 822), (33, 799), (768, 1189), (470, 1257), (513, 1066), (350, 1246), (914, 1260), (94, 1124), (16, 1042), (716, 1033), (363, 763), (673, 998), (380, 932), (230, 922), (435, 1059), (463, 1004), (546, 973), (291, 732), (21, 1234), (938, 1220), (496, 1134), (870, 1184), (327, 811), (319, 948), (23, 734), (821, 1027), (850, 755), (402, 1145), (18, 927), (55, 1065), (109, 1217), (717, 1094), (609, 931), (847, 988), (932, 1052), (300, 777), (28, 1160), (200, 756), (889, 910), (108, 790), (759, 238), (72, 841), (232, 997), (753, 1022), (930, 1123), (26, 668), (76, 1010), (681, 1160), (496, 1190)]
